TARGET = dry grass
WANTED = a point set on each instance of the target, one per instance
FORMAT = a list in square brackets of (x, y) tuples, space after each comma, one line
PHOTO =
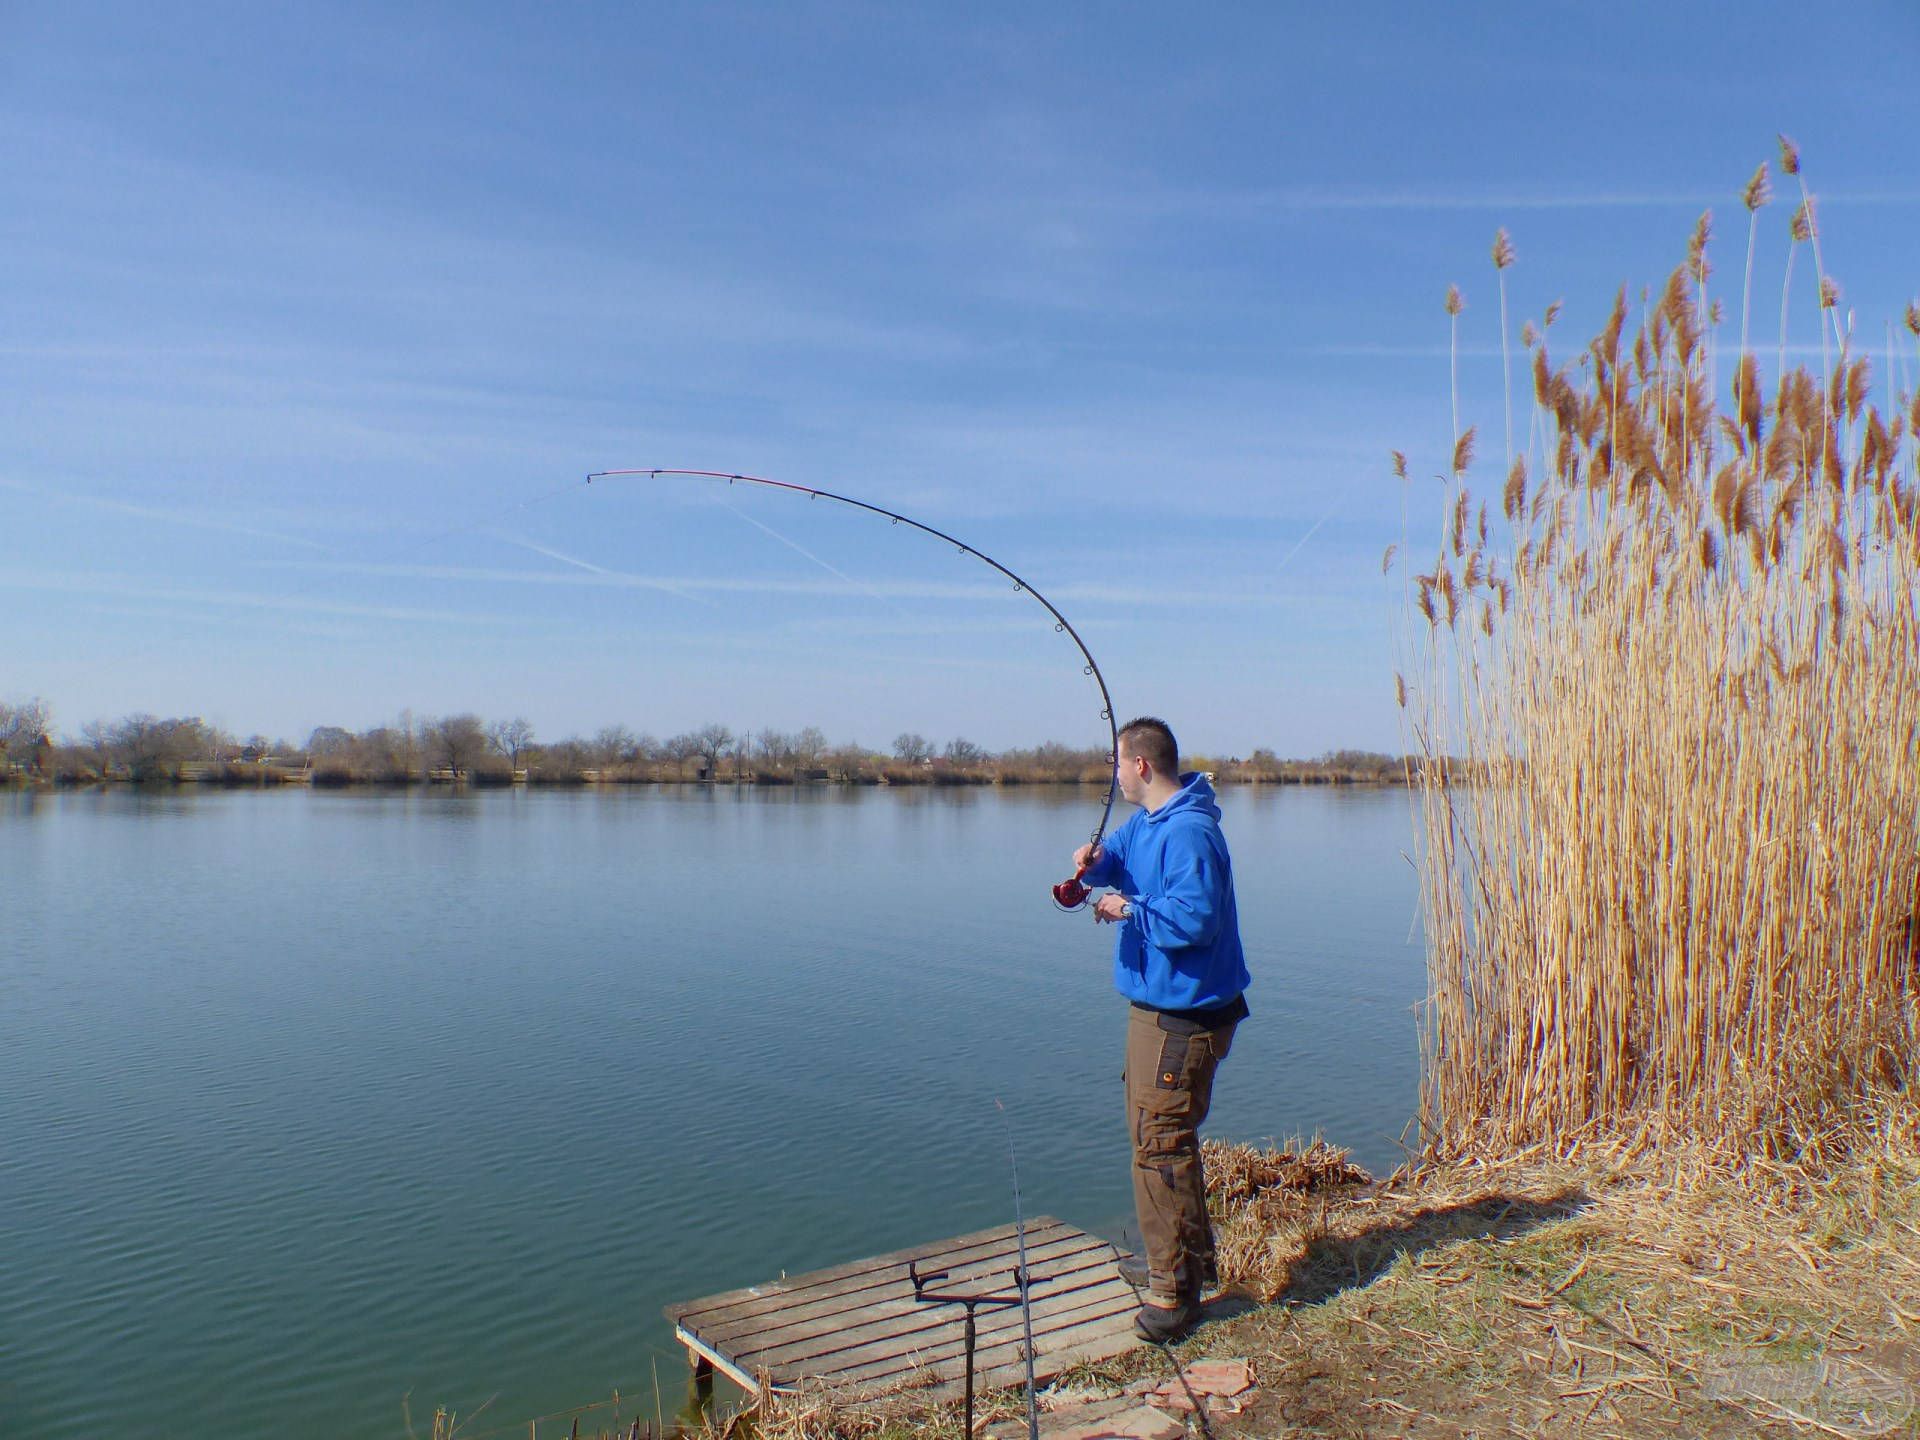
[(1622, 1294), (1679, 901), (1536, 1297), (1270, 1206)]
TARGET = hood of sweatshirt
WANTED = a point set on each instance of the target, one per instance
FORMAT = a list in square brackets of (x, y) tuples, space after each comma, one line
[(1195, 796)]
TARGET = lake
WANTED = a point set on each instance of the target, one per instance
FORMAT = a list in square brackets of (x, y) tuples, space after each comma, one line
[(315, 1105)]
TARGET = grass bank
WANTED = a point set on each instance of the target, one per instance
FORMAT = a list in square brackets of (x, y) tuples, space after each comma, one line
[(1592, 1295)]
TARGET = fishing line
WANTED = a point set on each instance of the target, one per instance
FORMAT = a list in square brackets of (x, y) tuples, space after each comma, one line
[(1179, 1370), (1068, 894), (1026, 1279)]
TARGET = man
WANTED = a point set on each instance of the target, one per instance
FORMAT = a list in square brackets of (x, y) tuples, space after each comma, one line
[(1177, 958)]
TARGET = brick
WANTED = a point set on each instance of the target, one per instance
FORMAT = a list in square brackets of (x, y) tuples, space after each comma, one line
[(1147, 1423), (1220, 1377), (1093, 1430)]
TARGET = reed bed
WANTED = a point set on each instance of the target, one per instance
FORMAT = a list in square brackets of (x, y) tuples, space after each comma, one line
[(1680, 662)]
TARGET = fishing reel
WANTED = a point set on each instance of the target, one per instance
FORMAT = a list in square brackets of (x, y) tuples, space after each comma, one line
[(1071, 894)]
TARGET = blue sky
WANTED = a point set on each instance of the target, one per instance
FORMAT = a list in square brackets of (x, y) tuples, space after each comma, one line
[(314, 319)]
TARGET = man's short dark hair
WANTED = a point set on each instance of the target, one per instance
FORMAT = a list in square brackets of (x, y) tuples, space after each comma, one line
[(1152, 741)]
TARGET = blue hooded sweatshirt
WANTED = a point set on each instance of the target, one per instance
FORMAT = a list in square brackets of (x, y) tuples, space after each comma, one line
[(1179, 948)]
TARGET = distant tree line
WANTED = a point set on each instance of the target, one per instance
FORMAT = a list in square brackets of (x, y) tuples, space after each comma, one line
[(467, 749)]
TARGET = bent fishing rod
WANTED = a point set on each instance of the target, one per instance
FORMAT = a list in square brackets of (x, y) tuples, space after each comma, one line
[(1068, 894)]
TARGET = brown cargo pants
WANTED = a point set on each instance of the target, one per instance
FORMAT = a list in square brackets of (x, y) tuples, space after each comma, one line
[(1169, 1083)]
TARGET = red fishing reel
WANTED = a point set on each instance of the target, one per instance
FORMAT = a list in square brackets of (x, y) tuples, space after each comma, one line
[(1071, 894)]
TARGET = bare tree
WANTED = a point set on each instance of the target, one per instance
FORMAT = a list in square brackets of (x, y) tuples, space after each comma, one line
[(850, 761), (563, 757), (148, 745), (456, 743), (962, 751), (22, 728), (329, 740), (404, 742), (808, 746), (383, 753), (511, 738), (614, 745), (711, 742), (911, 748), (776, 749), (680, 749)]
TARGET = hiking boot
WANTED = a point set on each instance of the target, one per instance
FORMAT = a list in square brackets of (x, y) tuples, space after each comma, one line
[(1137, 1273), (1163, 1325)]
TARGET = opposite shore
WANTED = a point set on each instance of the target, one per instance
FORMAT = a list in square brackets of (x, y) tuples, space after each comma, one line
[(278, 771), (467, 750)]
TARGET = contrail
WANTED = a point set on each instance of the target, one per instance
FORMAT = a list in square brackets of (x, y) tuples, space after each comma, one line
[(830, 569), (154, 512), (1306, 537), (593, 569)]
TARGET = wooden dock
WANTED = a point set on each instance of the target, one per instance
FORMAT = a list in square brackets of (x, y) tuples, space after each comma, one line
[(857, 1329)]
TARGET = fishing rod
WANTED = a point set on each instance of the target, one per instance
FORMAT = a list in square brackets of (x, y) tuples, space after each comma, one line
[(1068, 894)]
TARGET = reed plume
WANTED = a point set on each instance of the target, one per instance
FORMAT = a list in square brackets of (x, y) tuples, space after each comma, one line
[(1502, 259), (1670, 799), (1455, 304), (1758, 192), (1463, 452)]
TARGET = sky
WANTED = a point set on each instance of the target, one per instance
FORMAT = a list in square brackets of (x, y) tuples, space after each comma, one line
[(315, 318)]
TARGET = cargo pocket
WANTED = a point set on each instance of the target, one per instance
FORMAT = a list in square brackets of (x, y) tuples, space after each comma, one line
[(1182, 1048)]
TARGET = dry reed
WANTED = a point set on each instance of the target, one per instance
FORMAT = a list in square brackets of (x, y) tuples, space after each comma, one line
[(1678, 899), (1270, 1206)]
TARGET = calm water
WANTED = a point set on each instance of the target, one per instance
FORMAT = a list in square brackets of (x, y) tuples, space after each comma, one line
[(311, 1102)]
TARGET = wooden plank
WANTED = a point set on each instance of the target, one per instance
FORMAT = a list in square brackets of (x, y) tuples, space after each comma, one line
[(877, 1365), (1045, 1366), (868, 1363), (944, 1380), (720, 1362), (902, 1320), (856, 1274), (941, 1344), (1044, 1263), (1005, 1364)]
